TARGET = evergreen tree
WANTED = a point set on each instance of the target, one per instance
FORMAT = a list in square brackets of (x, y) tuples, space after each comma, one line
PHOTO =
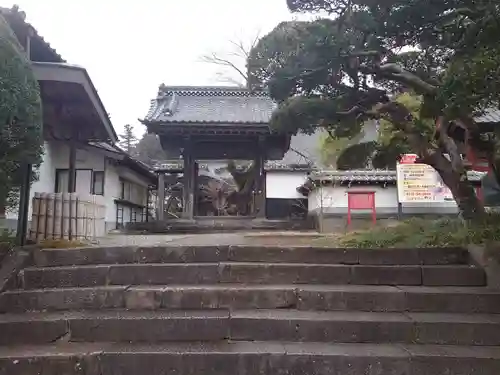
[(337, 72), (149, 150), (21, 138), (128, 139)]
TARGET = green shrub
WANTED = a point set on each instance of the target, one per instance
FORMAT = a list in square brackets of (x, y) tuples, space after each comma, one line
[(418, 232), (7, 241), (21, 116)]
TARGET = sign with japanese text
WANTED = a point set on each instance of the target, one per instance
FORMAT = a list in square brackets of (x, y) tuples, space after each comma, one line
[(419, 183)]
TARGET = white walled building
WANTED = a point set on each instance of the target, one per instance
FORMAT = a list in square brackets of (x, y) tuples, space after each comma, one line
[(283, 200), (101, 169), (79, 138), (327, 192), (324, 194)]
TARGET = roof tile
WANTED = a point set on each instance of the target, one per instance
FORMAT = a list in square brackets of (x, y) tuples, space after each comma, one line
[(210, 105), (489, 115), (372, 175)]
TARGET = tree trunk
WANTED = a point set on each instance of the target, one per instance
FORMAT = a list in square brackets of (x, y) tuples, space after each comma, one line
[(452, 172), (469, 205), (245, 181)]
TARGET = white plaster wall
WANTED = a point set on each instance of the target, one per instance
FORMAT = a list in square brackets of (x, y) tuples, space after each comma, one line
[(284, 184), (126, 214), (334, 200), (56, 156), (336, 197), (46, 179), (112, 191)]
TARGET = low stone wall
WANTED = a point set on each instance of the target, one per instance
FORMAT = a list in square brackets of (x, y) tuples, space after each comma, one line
[(13, 262), (337, 223), (218, 224)]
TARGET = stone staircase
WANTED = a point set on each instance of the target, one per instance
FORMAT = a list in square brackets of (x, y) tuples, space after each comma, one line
[(234, 310)]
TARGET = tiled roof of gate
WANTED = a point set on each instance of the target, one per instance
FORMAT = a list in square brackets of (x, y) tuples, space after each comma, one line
[(227, 105), (489, 115), (210, 105)]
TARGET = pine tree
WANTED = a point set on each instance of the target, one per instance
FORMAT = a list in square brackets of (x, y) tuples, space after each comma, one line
[(128, 139), (339, 71), (149, 150)]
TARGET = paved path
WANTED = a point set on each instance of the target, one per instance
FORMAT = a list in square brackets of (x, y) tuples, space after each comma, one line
[(226, 238), (178, 239)]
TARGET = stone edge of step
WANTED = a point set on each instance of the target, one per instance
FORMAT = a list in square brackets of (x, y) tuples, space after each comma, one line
[(182, 254)]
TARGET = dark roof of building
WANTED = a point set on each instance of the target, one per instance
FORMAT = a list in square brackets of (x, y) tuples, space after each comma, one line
[(276, 166), (40, 49), (134, 164), (372, 175), (210, 105), (366, 177)]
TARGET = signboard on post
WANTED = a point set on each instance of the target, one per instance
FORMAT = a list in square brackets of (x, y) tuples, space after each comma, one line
[(420, 183), (361, 200)]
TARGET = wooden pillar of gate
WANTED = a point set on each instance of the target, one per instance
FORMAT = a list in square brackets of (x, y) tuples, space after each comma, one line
[(189, 179)]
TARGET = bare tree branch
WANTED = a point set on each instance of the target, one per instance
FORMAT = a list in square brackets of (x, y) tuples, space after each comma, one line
[(233, 81), (213, 58), (308, 159), (235, 61)]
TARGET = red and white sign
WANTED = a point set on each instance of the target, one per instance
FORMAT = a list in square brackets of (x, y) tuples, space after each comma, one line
[(408, 159), (419, 183)]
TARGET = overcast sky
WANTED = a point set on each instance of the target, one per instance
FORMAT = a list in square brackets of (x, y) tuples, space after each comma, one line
[(130, 47)]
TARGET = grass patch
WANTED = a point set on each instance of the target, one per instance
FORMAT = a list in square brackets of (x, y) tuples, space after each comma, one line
[(284, 239), (60, 244), (417, 232)]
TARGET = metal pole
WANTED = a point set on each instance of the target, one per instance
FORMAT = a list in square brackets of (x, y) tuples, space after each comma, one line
[(398, 198), (24, 196), (161, 196), (72, 166), (26, 171), (146, 218)]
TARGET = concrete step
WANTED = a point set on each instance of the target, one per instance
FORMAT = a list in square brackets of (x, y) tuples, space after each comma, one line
[(114, 326), (249, 358), (240, 296), (250, 273), (273, 254), (251, 325), (444, 299), (365, 327), (151, 297)]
